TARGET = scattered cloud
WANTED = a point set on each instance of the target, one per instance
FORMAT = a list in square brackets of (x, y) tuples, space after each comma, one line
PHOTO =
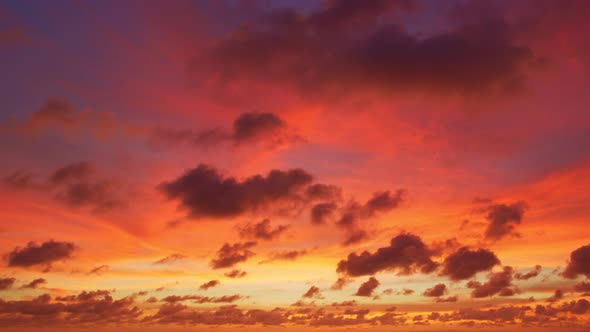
[(45, 253)]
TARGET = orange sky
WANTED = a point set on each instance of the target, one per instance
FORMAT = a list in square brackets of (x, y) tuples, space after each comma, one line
[(240, 165)]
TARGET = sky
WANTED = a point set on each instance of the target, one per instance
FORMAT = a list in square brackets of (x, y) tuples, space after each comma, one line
[(383, 165)]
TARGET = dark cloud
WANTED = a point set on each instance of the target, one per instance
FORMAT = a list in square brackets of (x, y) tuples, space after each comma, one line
[(447, 299), (498, 283), (340, 283), (262, 231), (46, 253), (406, 254), (582, 287), (99, 269), (87, 308), (235, 274), (507, 314), (74, 171), (447, 246), (328, 53), (35, 283), (342, 14), (202, 299), (579, 263), (55, 111), (465, 263), (406, 291), (503, 219), (313, 293), (367, 287), (355, 236), (344, 304), (167, 136), (437, 290), (209, 284), (59, 113), (557, 295), (230, 255), (250, 127), (176, 313), (321, 213), (380, 202), (19, 180), (170, 259), (96, 194), (528, 275), (579, 307), (290, 255), (204, 192), (6, 283), (323, 192), (75, 184)]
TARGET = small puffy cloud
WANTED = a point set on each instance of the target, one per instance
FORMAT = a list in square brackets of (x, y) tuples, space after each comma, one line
[(248, 128), (465, 263), (503, 219), (235, 274), (6, 283), (35, 283), (436, 291), (529, 275), (262, 231), (340, 283), (557, 295), (406, 253), (454, 298), (45, 253), (313, 293), (209, 284), (204, 192), (75, 184), (368, 287), (498, 283), (380, 202), (321, 213), (231, 254)]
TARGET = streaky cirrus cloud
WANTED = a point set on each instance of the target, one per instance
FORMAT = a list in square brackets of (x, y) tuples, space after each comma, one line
[(170, 259)]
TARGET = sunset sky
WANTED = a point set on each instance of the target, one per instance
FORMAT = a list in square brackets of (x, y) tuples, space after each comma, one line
[(383, 165)]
